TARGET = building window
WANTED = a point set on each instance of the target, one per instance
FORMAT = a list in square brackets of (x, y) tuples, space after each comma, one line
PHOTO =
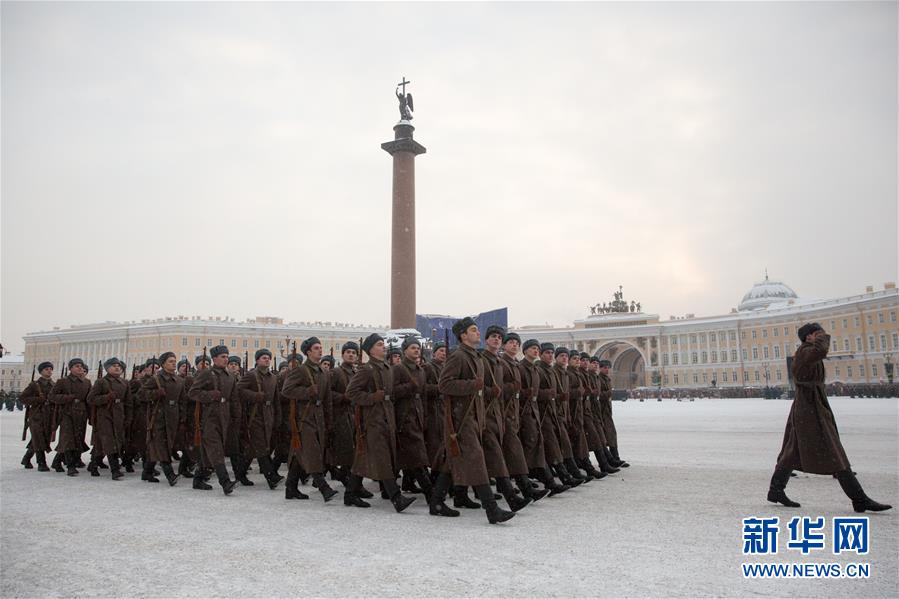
[(666, 379), (858, 344), (724, 376), (184, 342), (892, 317), (256, 343), (765, 352), (674, 340), (870, 342), (757, 377), (870, 320), (732, 335), (221, 342), (721, 336), (880, 317), (873, 369), (776, 331), (694, 357), (675, 379), (856, 322), (755, 353), (733, 355), (695, 378), (705, 357), (742, 334), (714, 357), (744, 354), (723, 356), (883, 342), (846, 344), (754, 334), (693, 339), (764, 333), (244, 343), (705, 377), (664, 359), (674, 358), (745, 377), (895, 340), (779, 376), (196, 342), (837, 371), (848, 372), (234, 343), (209, 343), (786, 331), (776, 351), (845, 323)]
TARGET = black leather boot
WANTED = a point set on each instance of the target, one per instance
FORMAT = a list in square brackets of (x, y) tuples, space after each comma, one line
[(528, 490), (199, 482), (128, 463), (26, 459), (169, 473), (319, 482), (41, 459), (399, 501), (226, 483), (495, 514), (70, 460), (147, 472), (437, 503), (57, 462), (587, 466), (238, 465), (78, 461), (114, 467), (575, 472), (409, 482), (504, 485), (853, 490), (268, 471), (461, 499), (351, 495), (776, 492), (292, 485), (604, 465), (424, 481), (184, 468), (562, 473), (545, 476), (93, 467), (619, 463)]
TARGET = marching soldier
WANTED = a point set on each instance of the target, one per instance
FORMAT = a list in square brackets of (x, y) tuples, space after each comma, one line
[(281, 436), (136, 416), (550, 426), (462, 384), (434, 416), (394, 356), (605, 404), (164, 394), (258, 390), (69, 394), (811, 440), (513, 450), (495, 422), (215, 390), (369, 392), (235, 444), (531, 419), (576, 432), (327, 363), (408, 387), (40, 416), (305, 388), (107, 399), (593, 430), (563, 399), (340, 430)]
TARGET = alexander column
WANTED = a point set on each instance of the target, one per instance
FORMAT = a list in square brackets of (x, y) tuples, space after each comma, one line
[(404, 149)]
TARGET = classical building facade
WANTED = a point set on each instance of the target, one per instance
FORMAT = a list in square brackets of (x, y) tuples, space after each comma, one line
[(14, 376), (135, 342), (747, 347)]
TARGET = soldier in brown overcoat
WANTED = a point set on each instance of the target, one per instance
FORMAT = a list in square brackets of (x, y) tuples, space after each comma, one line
[(258, 390), (214, 389), (596, 440), (434, 416), (107, 400), (307, 387), (340, 426), (462, 385), (282, 434), (563, 409), (236, 441), (577, 387), (136, 415), (369, 392), (40, 415), (495, 421), (608, 423), (164, 393), (409, 380), (811, 440), (550, 425), (69, 395)]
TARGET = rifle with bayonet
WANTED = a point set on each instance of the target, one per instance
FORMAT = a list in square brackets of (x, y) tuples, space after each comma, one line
[(198, 436), (28, 408), (357, 411)]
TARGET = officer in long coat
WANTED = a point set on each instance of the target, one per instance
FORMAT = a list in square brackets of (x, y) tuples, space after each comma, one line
[(214, 389), (811, 440), (40, 416)]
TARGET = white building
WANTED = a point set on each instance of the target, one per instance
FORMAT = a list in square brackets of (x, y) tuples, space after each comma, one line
[(14, 376)]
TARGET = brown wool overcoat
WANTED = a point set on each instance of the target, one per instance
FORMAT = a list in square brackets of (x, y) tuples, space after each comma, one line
[(457, 384), (375, 421)]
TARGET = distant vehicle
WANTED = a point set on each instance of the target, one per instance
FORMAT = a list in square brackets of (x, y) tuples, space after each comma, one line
[(395, 337)]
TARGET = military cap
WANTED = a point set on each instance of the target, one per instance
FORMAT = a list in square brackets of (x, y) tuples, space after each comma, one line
[(113, 362), (262, 352), (77, 362), (495, 330), (329, 359), (43, 365), (605, 364), (807, 329), (307, 344), (201, 358), (350, 345), (218, 350), (409, 342), (460, 326), (370, 342), (561, 350), (511, 336), (529, 344), (544, 347), (234, 360), (165, 356)]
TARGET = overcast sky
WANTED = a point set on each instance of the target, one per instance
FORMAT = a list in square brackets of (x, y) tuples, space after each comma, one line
[(223, 159)]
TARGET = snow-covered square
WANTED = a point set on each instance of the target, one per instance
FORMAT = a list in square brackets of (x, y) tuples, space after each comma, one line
[(670, 525)]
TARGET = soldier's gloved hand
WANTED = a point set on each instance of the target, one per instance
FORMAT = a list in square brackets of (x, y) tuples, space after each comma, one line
[(479, 383), (160, 393), (378, 395), (215, 395), (112, 396), (68, 398)]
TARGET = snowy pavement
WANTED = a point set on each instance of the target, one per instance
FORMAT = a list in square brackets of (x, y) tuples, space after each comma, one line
[(668, 526)]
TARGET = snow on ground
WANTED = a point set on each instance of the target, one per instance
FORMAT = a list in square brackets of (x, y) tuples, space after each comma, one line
[(668, 526)]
